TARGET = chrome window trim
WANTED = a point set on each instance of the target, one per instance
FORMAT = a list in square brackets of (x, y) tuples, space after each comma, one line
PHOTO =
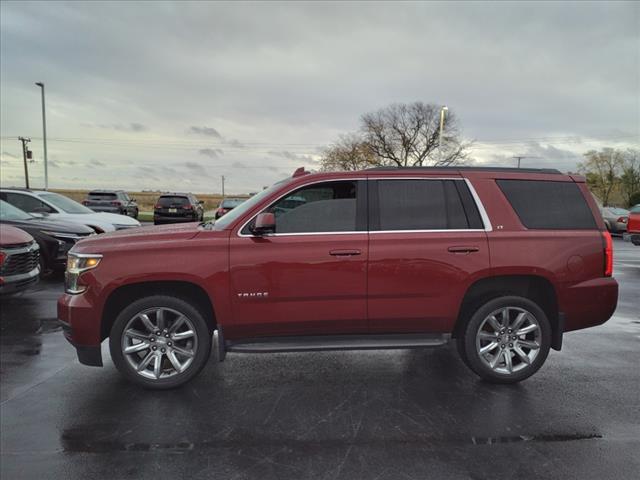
[(483, 213)]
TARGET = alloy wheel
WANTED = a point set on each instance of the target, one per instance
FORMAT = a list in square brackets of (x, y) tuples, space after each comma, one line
[(159, 343), (509, 340)]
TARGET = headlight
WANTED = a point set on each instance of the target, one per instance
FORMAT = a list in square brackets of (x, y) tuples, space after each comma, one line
[(78, 263)]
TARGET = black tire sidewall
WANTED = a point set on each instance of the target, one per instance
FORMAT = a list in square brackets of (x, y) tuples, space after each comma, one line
[(469, 339), (202, 331)]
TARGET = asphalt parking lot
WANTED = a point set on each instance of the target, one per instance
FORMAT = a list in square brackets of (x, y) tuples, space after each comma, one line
[(372, 415)]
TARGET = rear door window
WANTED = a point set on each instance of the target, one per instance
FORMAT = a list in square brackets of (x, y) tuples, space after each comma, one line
[(548, 205), (405, 204)]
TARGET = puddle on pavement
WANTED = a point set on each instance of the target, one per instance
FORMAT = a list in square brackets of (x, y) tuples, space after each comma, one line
[(79, 440)]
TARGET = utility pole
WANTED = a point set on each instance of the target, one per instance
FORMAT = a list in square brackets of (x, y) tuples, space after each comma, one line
[(44, 139), (25, 153), (222, 177)]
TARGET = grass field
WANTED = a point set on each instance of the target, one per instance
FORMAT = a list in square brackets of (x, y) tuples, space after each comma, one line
[(146, 200)]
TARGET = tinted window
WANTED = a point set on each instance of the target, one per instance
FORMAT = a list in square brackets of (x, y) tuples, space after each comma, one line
[(548, 205), (424, 205), (322, 207), (170, 201), (64, 203), (9, 212), (102, 196), (27, 203)]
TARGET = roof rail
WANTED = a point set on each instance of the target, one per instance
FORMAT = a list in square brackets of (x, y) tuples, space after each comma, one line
[(474, 169)]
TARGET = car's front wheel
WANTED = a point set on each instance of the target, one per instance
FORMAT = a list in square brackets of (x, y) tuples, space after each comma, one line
[(506, 340), (160, 342)]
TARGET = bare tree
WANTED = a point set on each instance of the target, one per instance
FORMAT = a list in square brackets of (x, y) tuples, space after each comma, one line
[(630, 178), (407, 135), (350, 152), (602, 170)]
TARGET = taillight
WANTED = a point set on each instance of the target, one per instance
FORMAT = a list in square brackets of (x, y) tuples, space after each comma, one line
[(622, 220), (2, 257), (187, 207), (157, 206), (85, 202), (608, 254), (117, 204)]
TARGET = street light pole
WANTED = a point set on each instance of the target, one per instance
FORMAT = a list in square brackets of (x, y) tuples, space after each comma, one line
[(25, 154), (222, 176), (44, 138), (443, 111)]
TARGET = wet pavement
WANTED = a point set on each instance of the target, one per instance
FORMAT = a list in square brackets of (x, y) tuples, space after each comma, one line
[(372, 415)]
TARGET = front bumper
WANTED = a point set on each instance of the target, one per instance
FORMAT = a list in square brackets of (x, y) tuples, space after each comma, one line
[(81, 327), (18, 283)]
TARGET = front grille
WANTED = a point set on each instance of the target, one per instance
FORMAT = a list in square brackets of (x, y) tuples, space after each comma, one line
[(20, 263)]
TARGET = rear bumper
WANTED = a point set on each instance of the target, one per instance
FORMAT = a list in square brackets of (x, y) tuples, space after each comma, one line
[(18, 283), (589, 303), (81, 328)]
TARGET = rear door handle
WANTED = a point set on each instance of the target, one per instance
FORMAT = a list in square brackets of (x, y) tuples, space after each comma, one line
[(463, 249), (344, 253)]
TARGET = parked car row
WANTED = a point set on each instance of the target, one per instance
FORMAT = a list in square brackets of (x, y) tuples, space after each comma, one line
[(48, 224), (112, 201)]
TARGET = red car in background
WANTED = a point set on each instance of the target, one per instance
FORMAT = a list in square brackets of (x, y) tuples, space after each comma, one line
[(633, 225), (19, 260)]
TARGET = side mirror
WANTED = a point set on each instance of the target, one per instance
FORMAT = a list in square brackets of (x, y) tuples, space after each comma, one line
[(265, 223), (200, 202)]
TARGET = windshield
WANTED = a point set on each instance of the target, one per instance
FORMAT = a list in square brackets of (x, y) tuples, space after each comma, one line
[(245, 206), (9, 212), (635, 209), (231, 202), (64, 203)]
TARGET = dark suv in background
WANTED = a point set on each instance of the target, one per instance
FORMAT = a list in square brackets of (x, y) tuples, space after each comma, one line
[(176, 208), (111, 201)]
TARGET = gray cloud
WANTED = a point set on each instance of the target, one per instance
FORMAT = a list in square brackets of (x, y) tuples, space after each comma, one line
[(206, 131), (197, 169), (97, 163), (292, 156), (131, 127), (302, 75), (211, 152)]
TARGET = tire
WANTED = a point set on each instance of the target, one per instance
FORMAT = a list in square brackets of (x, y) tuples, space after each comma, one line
[(136, 212), (195, 340), (480, 332)]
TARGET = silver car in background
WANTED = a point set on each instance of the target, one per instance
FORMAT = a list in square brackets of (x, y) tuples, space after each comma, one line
[(615, 219)]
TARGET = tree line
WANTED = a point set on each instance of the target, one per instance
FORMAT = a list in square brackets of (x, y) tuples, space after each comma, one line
[(613, 175)]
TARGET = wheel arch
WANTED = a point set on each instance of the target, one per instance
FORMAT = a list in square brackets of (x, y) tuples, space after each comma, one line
[(534, 287), (126, 294)]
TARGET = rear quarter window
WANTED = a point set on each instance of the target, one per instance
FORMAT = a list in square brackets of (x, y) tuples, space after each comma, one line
[(548, 205)]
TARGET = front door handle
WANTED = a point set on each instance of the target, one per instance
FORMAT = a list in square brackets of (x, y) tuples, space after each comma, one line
[(463, 249), (344, 253)]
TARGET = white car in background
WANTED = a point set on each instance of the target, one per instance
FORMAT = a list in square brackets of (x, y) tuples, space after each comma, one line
[(58, 207)]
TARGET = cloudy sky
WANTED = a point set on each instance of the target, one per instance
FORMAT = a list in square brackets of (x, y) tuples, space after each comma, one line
[(173, 95)]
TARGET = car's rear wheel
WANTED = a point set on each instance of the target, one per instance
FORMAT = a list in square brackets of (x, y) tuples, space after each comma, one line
[(506, 340), (160, 342)]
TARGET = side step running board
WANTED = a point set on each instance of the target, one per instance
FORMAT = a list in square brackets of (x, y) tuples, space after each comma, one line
[(336, 342)]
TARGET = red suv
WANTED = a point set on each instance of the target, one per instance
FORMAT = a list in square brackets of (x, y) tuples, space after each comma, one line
[(503, 261)]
